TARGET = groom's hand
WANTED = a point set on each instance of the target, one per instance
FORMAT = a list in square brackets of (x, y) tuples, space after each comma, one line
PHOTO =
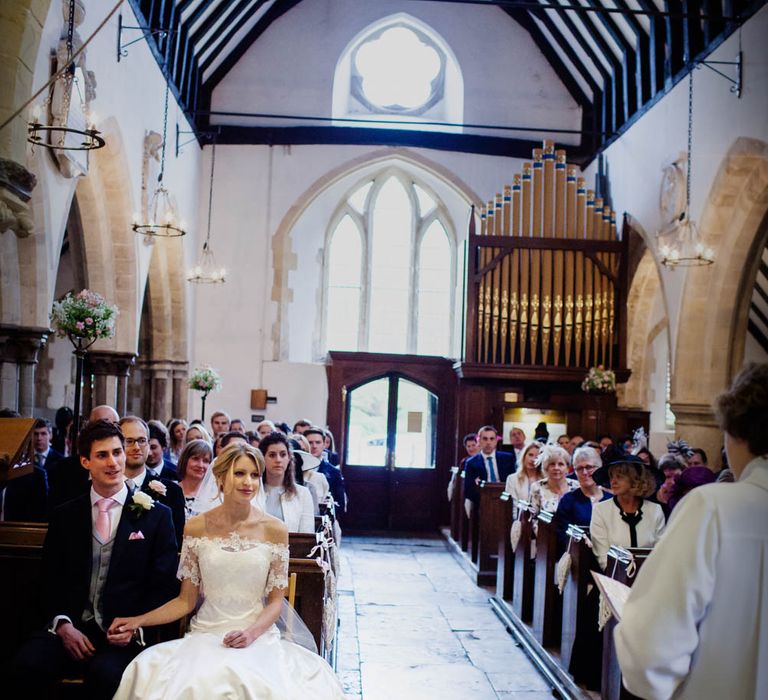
[(121, 631), (76, 644)]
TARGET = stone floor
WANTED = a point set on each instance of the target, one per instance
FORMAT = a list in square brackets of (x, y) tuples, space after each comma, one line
[(414, 625)]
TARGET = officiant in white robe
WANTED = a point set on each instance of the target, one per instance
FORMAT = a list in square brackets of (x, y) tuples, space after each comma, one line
[(696, 621)]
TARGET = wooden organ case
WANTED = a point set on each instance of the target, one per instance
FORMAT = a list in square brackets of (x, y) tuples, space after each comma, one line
[(546, 290)]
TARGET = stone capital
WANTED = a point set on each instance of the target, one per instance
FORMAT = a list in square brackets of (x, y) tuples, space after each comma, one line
[(110, 363), (694, 414), (21, 345)]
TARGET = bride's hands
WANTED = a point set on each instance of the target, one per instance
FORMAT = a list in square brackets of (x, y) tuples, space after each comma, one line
[(239, 639), (122, 629)]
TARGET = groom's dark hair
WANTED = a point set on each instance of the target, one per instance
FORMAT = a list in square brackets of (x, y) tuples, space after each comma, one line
[(98, 430)]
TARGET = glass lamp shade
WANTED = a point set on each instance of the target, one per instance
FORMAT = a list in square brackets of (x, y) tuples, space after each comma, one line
[(206, 271), (679, 245), (162, 217)]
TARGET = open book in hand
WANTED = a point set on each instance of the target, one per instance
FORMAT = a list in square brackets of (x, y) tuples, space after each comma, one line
[(614, 593)]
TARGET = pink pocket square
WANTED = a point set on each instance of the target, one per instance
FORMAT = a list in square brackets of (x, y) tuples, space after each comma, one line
[(138, 535)]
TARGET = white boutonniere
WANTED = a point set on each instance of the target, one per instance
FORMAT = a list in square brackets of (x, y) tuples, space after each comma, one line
[(141, 502), (157, 487)]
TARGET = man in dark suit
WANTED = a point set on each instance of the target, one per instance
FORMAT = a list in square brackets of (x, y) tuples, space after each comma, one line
[(487, 465), (138, 476), (45, 456), (108, 553), (316, 438), (157, 464)]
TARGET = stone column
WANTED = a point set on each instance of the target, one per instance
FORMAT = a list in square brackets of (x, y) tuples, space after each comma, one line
[(695, 423), (180, 390), (111, 370), (20, 347)]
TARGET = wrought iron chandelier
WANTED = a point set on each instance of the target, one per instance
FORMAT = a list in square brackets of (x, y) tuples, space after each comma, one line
[(679, 243), (65, 137), (206, 271), (162, 218)]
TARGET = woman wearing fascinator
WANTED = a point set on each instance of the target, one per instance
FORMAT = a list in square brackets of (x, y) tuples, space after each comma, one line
[(236, 555)]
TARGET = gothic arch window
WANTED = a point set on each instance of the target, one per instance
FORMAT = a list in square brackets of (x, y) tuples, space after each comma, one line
[(390, 270), (399, 70)]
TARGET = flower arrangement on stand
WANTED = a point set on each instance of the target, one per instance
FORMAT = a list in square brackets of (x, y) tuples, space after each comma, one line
[(84, 318), (205, 380), (599, 381)]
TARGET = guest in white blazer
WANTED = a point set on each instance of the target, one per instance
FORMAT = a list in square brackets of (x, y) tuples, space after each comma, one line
[(285, 499), (627, 519), (520, 483), (696, 621)]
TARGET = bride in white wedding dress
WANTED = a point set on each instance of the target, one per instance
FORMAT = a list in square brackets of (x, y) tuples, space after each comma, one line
[(237, 557)]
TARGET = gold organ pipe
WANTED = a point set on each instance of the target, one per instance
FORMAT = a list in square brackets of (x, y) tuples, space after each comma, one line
[(514, 299), (503, 332), (559, 275), (547, 255), (588, 278), (496, 282), (481, 289), (581, 216), (538, 172), (570, 259), (597, 303), (525, 259), (489, 228)]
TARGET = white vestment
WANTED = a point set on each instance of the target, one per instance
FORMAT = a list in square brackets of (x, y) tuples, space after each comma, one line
[(696, 622)]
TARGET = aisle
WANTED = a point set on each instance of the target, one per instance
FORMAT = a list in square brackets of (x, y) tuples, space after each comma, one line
[(414, 626)]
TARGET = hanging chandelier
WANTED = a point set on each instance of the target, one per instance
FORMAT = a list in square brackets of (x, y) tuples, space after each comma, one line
[(679, 244), (73, 133), (206, 271), (162, 218)]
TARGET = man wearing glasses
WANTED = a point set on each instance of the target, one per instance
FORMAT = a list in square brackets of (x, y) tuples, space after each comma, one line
[(137, 478)]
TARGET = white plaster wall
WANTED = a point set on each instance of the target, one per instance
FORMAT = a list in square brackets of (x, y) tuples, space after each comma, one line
[(132, 92), (290, 69), (636, 160)]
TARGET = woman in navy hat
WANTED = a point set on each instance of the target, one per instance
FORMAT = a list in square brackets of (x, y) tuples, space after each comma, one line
[(628, 519)]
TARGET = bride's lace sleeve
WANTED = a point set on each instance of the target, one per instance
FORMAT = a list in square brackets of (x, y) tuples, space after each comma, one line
[(278, 569), (188, 565)]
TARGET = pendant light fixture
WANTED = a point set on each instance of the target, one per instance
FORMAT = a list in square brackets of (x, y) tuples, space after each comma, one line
[(679, 244), (162, 218), (206, 271)]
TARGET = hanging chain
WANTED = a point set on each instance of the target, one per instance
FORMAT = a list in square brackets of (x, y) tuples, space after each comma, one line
[(165, 134), (210, 195), (690, 144), (71, 37)]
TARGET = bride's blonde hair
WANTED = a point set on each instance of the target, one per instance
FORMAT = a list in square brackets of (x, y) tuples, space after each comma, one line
[(224, 464)]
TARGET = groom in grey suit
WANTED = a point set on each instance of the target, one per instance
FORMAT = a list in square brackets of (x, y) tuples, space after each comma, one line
[(106, 555)]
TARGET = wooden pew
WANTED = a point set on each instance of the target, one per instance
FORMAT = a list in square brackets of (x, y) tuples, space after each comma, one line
[(523, 567), (311, 598), (575, 591), (547, 604), (456, 505), (506, 557), (464, 523), (490, 525), (619, 560)]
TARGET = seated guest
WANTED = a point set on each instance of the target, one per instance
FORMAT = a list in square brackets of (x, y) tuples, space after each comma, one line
[(605, 441), (628, 519), (519, 484), (237, 425), (253, 438), (574, 442), (219, 424), (301, 425), (725, 475), (195, 460), (671, 466), (93, 571), (696, 474), (304, 464), (285, 500), (564, 441), (138, 476), (546, 494), (177, 428), (518, 440), (196, 431), (62, 420), (157, 464), (694, 625), (575, 507), (265, 428), (233, 436), (487, 465), (42, 434), (471, 448), (650, 463), (331, 455), (315, 439)]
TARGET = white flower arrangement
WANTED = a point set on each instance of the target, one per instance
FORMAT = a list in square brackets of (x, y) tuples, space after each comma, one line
[(205, 379), (85, 315), (599, 381), (157, 487), (141, 502)]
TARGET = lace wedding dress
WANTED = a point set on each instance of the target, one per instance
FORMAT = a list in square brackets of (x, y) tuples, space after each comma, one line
[(235, 574)]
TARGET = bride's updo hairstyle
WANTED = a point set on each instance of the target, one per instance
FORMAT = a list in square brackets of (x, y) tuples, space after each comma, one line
[(224, 464)]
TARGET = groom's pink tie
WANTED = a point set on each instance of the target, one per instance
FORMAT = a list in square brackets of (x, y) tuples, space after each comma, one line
[(102, 518)]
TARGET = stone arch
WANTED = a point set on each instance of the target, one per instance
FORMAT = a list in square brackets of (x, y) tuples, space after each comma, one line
[(284, 257), (715, 305), (104, 197), (643, 296)]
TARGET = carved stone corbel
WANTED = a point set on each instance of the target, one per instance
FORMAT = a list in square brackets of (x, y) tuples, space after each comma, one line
[(16, 185)]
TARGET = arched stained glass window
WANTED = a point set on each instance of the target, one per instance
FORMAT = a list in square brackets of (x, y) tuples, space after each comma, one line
[(390, 270)]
